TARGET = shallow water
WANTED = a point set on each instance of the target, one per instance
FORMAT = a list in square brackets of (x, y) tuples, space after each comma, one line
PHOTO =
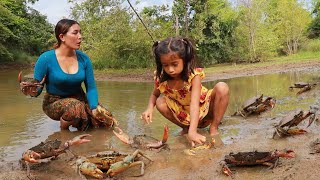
[(23, 124)]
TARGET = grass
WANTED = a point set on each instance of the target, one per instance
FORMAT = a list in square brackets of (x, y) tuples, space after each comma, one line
[(296, 58)]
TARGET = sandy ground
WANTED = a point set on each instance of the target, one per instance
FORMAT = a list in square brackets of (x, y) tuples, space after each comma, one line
[(174, 164)]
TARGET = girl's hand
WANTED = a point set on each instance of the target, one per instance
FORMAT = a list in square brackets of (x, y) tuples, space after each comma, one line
[(147, 116), (196, 138)]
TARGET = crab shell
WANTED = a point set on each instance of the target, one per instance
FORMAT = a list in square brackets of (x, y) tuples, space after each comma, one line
[(30, 86), (301, 84), (103, 160), (256, 158), (252, 101), (47, 149)]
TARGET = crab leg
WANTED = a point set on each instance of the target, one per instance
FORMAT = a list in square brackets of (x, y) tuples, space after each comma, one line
[(304, 89), (40, 83)]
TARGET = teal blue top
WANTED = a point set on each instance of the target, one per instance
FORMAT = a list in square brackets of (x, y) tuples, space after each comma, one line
[(60, 83)]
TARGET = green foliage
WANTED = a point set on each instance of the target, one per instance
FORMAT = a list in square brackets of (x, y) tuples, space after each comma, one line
[(291, 21), (314, 28), (114, 37), (312, 45), (22, 29)]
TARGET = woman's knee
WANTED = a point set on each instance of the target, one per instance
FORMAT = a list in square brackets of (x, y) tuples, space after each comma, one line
[(221, 89)]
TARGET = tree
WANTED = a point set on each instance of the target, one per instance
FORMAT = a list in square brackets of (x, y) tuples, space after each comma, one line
[(291, 23), (212, 26), (22, 29), (314, 28)]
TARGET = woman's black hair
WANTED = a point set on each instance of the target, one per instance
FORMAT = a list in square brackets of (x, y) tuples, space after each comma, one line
[(184, 49), (62, 27)]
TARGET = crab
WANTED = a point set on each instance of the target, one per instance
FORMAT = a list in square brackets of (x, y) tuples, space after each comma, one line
[(208, 145), (288, 125), (95, 165), (269, 159), (303, 86), (256, 105), (46, 151), (103, 118), (30, 86), (143, 141), (109, 164)]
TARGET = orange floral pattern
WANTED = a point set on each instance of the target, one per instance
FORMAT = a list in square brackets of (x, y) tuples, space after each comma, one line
[(178, 101), (72, 108)]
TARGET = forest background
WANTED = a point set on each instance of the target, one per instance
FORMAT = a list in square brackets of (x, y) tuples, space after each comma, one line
[(237, 31)]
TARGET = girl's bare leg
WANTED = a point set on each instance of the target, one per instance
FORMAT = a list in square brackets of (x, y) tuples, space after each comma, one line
[(166, 112), (219, 103)]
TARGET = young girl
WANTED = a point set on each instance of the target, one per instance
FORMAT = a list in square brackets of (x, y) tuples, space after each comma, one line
[(185, 102)]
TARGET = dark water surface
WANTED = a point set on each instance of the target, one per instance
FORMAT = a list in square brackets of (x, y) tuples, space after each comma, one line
[(23, 123)]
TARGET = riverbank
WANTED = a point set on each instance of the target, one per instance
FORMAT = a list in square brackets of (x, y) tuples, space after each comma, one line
[(221, 71)]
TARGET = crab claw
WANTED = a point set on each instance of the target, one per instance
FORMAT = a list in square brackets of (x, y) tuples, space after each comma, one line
[(286, 153), (165, 133), (104, 115), (31, 156), (226, 171), (121, 135), (79, 140), (296, 131), (91, 169), (19, 77), (313, 111)]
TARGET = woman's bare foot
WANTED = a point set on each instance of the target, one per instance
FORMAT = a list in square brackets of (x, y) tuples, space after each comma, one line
[(64, 124)]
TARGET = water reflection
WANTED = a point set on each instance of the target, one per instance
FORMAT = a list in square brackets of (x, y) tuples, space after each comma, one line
[(23, 124)]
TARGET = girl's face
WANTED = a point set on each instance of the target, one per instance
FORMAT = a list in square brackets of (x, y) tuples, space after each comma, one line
[(172, 64), (72, 38)]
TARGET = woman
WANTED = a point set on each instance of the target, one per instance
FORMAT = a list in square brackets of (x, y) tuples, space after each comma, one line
[(64, 69)]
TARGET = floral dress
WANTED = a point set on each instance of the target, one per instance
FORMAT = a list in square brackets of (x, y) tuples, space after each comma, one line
[(178, 101)]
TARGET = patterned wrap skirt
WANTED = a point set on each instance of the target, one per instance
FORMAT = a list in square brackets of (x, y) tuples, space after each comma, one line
[(73, 108)]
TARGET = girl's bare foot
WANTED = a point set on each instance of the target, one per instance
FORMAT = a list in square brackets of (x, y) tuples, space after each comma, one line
[(218, 140), (184, 131)]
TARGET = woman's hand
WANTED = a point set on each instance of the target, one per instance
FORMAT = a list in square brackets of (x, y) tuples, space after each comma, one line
[(195, 137), (94, 112), (147, 116)]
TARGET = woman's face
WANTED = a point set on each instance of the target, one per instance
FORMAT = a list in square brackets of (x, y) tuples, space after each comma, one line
[(72, 38), (172, 64)]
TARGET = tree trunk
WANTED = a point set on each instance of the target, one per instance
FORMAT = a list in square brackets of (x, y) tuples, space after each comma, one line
[(177, 25), (186, 18)]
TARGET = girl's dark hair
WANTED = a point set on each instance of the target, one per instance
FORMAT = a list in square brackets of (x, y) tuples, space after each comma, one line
[(184, 49), (62, 27)]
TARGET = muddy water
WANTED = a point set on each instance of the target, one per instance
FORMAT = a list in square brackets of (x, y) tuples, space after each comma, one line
[(23, 124)]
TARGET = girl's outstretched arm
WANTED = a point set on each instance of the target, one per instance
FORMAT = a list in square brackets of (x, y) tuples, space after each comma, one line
[(193, 135), (147, 114)]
